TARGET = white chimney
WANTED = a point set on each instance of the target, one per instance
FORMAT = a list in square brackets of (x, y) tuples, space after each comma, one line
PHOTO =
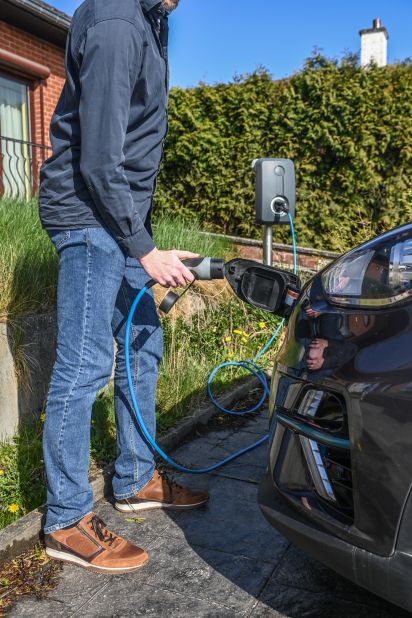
[(374, 45)]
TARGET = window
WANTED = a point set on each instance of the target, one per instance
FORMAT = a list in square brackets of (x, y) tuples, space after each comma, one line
[(15, 168)]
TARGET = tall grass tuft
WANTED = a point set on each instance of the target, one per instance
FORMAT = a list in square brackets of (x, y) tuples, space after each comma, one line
[(172, 233), (28, 264)]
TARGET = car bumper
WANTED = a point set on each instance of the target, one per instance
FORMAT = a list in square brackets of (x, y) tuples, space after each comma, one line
[(387, 577)]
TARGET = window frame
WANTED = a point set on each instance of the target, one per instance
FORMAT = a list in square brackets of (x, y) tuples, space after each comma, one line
[(30, 84)]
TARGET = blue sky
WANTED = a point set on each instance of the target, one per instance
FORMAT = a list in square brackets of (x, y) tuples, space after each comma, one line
[(212, 40)]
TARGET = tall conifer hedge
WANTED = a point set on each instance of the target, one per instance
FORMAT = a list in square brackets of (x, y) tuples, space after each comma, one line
[(349, 131)]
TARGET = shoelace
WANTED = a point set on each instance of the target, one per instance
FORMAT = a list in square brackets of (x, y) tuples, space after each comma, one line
[(100, 530), (169, 480)]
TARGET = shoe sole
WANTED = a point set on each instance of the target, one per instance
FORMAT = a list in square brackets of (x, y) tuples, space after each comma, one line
[(75, 560), (151, 506)]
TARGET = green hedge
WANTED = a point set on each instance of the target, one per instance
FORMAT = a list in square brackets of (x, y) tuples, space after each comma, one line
[(348, 130)]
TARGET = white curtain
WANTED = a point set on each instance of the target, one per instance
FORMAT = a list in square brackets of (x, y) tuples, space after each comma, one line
[(14, 124)]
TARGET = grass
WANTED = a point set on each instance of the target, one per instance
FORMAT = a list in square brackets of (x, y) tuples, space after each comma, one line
[(170, 233), (28, 264), (28, 261), (230, 331)]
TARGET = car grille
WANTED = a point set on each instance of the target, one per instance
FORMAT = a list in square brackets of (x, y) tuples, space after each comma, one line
[(320, 421), (338, 468)]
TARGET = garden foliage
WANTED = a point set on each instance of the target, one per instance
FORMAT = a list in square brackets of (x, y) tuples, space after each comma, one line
[(349, 131)]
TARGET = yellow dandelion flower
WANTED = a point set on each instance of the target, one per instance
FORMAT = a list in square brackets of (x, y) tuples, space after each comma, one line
[(262, 324), (230, 355), (244, 340), (238, 332), (1, 472), (13, 508), (228, 339), (245, 334), (42, 417)]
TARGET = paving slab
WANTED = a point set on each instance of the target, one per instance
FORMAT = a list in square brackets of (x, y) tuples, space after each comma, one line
[(301, 587), (76, 587), (251, 473), (289, 602), (228, 500), (139, 528), (121, 601), (298, 570), (233, 506), (244, 540), (230, 580), (199, 452), (258, 424)]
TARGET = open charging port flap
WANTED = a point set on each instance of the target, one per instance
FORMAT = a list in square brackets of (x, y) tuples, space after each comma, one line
[(264, 287)]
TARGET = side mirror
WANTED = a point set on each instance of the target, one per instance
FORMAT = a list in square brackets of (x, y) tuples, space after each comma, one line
[(264, 287)]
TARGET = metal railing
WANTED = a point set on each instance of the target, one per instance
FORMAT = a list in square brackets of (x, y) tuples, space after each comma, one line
[(20, 164)]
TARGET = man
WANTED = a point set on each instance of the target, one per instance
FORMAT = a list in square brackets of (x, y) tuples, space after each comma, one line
[(95, 203)]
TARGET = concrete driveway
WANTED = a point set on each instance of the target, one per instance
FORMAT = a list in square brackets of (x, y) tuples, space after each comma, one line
[(224, 560)]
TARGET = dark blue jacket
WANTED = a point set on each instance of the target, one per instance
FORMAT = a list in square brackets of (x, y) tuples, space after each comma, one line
[(109, 126)]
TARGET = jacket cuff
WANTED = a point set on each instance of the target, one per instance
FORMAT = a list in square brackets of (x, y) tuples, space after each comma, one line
[(138, 245)]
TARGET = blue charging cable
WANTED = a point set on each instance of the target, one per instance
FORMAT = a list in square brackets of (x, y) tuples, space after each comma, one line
[(249, 365)]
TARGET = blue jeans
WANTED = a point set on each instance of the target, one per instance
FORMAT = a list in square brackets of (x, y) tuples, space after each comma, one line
[(96, 287)]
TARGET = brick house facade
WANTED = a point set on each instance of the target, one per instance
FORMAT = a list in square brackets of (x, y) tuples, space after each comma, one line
[(32, 43)]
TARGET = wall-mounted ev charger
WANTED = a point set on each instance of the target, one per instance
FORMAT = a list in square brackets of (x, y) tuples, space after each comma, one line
[(275, 186)]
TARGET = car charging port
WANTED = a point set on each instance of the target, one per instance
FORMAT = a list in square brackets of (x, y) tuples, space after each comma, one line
[(271, 289)]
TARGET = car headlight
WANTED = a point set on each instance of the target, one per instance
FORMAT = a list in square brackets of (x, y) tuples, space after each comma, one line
[(376, 274)]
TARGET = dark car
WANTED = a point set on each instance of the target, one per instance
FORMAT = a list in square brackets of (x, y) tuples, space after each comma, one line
[(339, 478)]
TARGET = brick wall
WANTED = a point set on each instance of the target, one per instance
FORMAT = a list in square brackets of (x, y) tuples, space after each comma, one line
[(33, 48), (309, 260)]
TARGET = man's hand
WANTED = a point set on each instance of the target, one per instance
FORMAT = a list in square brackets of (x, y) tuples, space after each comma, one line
[(315, 358), (166, 268), (311, 313)]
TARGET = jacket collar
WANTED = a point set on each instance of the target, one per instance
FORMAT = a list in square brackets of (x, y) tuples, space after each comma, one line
[(148, 5)]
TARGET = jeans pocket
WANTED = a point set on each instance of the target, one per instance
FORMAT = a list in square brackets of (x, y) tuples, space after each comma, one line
[(59, 238)]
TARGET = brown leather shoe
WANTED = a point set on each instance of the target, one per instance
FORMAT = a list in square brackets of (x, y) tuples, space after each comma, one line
[(162, 493), (90, 545)]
